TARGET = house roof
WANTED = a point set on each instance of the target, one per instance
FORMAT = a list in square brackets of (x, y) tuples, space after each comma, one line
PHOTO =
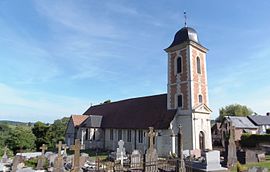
[(240, 122), (142, 112), (260, 120), (78, 119)]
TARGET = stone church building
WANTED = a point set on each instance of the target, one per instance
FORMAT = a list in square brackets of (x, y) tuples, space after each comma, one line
[(185, 104)]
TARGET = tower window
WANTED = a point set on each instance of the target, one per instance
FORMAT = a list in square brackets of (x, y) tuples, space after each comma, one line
[(180, 101), (200, 98), (198, 65), (179, 65)]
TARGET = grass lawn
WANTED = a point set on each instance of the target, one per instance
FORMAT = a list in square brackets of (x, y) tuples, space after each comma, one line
[(265, 164), (102, 155)]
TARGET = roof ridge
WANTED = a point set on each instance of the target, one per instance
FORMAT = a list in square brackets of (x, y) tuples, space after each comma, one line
[(129, 99)]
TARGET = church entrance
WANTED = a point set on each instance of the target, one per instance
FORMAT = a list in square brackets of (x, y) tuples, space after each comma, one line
[(202, 140)]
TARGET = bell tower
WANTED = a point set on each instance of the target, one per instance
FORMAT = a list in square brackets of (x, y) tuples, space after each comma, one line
[(187, 89)]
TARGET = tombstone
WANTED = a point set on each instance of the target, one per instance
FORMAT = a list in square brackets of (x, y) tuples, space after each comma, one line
[(151, 156), (58, 165), (212, 159), (121, 152), (257, 169), (42, 159), (5, 157), (83, 159), (65, 150), (261, 157), (76, 159), (16, 161), (181, 162), (136, 160), (230, 149), (2, 166)]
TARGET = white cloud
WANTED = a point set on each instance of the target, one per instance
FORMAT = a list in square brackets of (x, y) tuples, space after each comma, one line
[(22, 105)]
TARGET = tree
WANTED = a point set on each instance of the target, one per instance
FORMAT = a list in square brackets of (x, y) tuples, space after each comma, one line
[(4, 134), (21, 137), (234, 110), (57, 131), (40, 131)]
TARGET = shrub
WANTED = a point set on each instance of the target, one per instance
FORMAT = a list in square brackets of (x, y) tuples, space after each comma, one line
[(268, 131), (252, 140)]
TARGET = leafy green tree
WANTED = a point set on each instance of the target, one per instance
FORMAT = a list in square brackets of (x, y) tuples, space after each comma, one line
[(234, 110), (57, 131), (4, 134), (21, 137), (40, 130)]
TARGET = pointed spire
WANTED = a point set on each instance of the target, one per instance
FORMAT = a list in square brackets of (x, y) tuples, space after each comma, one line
[(185, 17)]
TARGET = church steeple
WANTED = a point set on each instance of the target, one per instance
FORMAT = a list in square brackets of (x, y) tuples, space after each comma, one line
[(187, 89)]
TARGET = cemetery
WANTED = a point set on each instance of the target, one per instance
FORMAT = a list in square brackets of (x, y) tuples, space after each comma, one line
[(72, 159)]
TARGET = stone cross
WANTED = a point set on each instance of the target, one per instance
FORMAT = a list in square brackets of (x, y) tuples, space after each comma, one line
[(43, 149), (64, 146), (76, 160), (180, 150), (230, 148), (59, 146), (41, 159), (121, 150), (151, 134)]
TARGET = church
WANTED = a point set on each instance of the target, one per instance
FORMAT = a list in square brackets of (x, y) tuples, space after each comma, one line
[(185, 104)]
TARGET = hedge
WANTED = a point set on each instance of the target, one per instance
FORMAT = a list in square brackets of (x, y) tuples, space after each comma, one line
[(268, 131), (252, 140)]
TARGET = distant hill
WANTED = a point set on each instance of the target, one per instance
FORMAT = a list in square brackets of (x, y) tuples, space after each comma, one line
[(16, 123)]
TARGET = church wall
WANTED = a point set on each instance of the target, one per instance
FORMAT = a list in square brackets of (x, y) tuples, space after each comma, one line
[(202, 123), (186, 122), (69, 136)]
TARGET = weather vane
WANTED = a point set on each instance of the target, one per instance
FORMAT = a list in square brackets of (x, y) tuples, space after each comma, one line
[(185, 16)]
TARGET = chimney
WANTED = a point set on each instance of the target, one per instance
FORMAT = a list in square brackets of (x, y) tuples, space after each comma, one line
[(268, 114)]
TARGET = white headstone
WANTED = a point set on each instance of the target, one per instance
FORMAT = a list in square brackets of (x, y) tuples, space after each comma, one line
[(121, 151), (136, 159), (212, 159), (2, 166)]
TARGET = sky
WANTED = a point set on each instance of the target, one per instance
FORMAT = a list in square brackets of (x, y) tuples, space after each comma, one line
[(59, 57)]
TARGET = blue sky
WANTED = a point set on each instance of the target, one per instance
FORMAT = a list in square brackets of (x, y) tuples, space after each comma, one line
[(58, 57)]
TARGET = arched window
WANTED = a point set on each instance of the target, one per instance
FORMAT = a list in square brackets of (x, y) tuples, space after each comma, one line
[(179, 101), (198, 65), (202, 140), (200, 98), (179, 65)]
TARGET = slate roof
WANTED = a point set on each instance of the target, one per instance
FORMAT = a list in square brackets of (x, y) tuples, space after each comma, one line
[(183, 35), (78, 119), (260, 120), (142, 112), (241, 122)]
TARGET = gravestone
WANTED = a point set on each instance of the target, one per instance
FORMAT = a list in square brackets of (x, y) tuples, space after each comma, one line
[(212, 159), (5, 157), (151, 156), (121, 152), (181, 162), (58, 165), (2, 166), (230, 149), (76, 159), (42, 159), (65, 150), (136, 160), (258, 169), (261, 157), (18, 159)]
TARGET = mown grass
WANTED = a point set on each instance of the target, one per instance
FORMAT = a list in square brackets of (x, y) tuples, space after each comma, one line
[(265, 164)]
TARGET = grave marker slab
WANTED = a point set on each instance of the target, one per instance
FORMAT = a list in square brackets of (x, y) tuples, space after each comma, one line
[(151, 156), (42, 159), (121, 152), (76, 160), (58, 165)]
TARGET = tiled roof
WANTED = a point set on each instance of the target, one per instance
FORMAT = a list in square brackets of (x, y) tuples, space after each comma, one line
[(78, 119), (260, 120), (142, 112), (241, 122)]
